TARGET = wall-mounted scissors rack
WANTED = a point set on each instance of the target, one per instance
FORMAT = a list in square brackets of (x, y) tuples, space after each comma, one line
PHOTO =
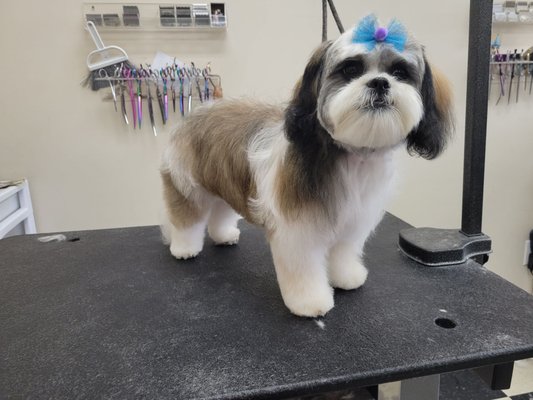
[(156, 17), (144, 95), (513, 77)]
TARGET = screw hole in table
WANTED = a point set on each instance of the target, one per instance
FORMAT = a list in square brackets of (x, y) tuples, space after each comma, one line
[(445, 323)]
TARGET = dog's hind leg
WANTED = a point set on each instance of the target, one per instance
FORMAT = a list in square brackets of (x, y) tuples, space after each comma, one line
[(188, 218), (222, 224)]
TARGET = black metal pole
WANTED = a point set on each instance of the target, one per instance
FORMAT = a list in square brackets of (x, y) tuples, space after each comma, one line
[(324, 20), (477, 96)]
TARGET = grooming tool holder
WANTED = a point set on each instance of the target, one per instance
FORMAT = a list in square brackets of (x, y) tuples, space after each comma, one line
[(157, 96)]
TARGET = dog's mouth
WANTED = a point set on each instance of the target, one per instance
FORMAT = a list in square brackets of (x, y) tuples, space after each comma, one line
[(377, 104), (373, 101)]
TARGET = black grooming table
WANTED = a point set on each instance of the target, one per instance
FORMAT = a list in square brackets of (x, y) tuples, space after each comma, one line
[(113, 315)]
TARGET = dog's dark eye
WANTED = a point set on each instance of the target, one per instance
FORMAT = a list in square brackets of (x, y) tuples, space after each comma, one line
[(353, 69), (400, 72)]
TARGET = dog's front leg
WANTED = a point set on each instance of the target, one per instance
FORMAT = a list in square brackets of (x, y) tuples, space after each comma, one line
[(300, 262), (346, 269)]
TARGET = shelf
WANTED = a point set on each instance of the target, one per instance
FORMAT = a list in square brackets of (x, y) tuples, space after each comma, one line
[(512, 23), (139, 17)]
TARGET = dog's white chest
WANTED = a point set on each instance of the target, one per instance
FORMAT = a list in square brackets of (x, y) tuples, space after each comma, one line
[(366, 184)]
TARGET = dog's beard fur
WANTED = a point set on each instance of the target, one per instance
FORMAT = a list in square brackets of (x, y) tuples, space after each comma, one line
[(361, 119), (298, 171)]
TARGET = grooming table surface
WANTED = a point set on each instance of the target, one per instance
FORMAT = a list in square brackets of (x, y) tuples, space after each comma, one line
[(114, 315)]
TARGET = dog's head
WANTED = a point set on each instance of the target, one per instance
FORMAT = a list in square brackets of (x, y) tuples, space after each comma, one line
[(373, 88)]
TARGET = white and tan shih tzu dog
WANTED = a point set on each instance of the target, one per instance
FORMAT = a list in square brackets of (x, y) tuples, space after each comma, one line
[(315, 174)]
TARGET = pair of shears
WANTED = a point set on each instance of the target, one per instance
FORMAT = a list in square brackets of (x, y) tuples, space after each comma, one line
[(150, 105), (499, 58), (128, 76), (103, 75), (172, 74), (164, 78), (181, 94), (118, 75)]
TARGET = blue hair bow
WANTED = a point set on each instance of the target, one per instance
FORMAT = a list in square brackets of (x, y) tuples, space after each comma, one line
[(369, 33)]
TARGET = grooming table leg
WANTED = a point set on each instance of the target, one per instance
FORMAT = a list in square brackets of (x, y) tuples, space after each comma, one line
[(498, 376), (423, 388)]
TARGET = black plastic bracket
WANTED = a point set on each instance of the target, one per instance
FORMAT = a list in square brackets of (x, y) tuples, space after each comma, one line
[(436, 247)]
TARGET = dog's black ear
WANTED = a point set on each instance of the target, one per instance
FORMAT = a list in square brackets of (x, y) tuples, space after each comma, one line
[(301, 114), (429, 138)]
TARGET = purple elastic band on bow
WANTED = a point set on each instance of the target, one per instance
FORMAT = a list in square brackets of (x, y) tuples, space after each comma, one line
[(381, 34)]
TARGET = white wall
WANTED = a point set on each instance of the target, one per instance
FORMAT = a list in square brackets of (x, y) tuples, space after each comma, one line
[(87, 170)]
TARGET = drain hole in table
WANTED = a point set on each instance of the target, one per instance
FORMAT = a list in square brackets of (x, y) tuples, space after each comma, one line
[(445, 323)]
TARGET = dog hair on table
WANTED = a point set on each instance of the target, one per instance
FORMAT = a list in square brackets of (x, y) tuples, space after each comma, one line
[(315, 174)]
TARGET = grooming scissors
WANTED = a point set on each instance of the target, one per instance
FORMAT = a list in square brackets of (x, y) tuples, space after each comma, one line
[(512, 58), (189, 86), (159, 96), (528, 69), (141, 74), (122, 88), (103, 74), (206, 84), (530, 66), (519, 66), (172, 73), (206, 72), (181, 78), (196, 74), (164, 78), (499, 59), (128, 75), (150, 105)]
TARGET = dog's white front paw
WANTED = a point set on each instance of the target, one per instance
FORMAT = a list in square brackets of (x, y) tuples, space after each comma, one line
[(309, 301), (183, 251), (226, 236), (347, 273)]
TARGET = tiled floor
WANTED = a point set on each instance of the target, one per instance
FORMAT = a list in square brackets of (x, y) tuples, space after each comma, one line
[(461, 385)]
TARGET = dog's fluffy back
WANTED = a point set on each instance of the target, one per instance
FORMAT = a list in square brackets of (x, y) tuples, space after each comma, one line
[(210, 149)]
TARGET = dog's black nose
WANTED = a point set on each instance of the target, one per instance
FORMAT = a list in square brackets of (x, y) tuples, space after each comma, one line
[(380, 85)]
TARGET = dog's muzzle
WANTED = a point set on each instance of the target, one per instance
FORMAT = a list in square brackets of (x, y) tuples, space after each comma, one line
[(379, 90)]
